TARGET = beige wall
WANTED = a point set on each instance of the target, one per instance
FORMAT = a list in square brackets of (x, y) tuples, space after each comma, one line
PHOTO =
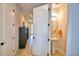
[(63, 27), (27, 20)]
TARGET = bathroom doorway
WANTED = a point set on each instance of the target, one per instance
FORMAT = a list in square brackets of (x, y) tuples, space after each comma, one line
[(58, 29)]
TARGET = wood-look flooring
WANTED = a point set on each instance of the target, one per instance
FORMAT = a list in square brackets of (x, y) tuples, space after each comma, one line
[(24, 52)]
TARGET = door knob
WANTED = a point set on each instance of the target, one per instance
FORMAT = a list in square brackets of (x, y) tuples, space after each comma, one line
[(2, 43), (33, 37)]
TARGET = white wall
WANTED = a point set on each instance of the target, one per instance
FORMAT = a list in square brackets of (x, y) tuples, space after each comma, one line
[(73, 30)]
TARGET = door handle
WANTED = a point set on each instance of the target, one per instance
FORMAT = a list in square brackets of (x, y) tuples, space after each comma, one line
[(2, 43), (33, 37)]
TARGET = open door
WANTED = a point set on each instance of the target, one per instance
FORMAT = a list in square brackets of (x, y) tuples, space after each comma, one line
[(6, 32), (40, 31), (5, 36)]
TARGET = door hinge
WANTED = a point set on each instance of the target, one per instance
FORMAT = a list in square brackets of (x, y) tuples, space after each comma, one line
[(13, 37), (13, 24), (13, 10), (48, 9), (13, 51), (48, 24), (48, 39)]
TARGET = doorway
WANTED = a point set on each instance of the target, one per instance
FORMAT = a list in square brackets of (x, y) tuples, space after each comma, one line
[(58, 29)]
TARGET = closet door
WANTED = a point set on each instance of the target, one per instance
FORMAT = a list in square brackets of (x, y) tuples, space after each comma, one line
[(40, 30)]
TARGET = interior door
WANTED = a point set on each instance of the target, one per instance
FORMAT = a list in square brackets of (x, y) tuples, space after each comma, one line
[(1, 30), (40, 30), (6, 30)]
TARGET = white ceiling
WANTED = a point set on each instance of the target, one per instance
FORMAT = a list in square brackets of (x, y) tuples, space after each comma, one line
[(27, 8)]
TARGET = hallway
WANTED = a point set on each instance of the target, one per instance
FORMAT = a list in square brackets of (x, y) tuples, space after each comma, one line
[(50, 29)]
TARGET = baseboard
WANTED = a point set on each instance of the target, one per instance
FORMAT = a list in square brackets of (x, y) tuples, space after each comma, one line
[(61, 51)]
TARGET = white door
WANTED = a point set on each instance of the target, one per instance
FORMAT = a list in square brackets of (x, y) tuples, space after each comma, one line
[(40, 30), (8, 29), (1, 31), (4, 44), (6, 47)]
